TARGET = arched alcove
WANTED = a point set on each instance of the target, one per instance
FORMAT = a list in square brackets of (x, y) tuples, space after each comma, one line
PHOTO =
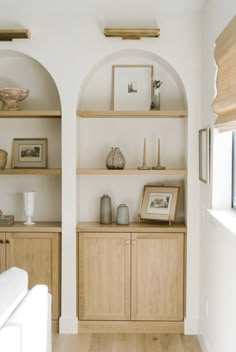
[(96, 90), (22, 71)]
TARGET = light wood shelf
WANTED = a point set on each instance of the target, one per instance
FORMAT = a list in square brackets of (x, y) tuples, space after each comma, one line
[(31, 113), (131, 172), (132, 114), (39, 226), (46, 172), (10, 34), (132, 227)]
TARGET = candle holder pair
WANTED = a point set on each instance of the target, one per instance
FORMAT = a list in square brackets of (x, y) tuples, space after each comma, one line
[(158, 165)]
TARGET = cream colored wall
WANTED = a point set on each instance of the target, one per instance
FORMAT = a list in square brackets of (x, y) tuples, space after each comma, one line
[(68, 42)]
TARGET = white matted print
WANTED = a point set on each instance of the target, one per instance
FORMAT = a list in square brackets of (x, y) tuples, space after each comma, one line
[(132, 87), (29, 153)]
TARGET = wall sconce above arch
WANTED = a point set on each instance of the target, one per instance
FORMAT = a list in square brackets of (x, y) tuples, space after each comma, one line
[(132, 33), (10, 34)]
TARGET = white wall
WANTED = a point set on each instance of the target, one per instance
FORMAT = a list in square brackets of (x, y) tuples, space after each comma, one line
[(68, 41), (218, 245)]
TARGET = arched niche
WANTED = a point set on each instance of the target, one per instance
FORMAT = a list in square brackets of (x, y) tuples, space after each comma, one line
[(96, 89), (22, 71)]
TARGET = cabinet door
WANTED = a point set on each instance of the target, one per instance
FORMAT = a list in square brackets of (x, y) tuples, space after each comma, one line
[(104, 276), (157, 276), (2, 252), (38, 254)]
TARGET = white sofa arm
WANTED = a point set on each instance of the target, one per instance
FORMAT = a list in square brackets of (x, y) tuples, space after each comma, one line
[(32, 318), (10, 338)]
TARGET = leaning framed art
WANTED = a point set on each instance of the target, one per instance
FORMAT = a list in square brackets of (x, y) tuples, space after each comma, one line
[(29, 153)]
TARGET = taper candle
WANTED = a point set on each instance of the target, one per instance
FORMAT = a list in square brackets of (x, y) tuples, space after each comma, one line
[(159, 152), (144, 152)]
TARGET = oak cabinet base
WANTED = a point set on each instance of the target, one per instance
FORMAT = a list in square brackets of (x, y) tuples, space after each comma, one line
[(160, 327)]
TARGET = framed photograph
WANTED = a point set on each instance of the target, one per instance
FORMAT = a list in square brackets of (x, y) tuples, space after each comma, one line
[(204, 136), (159, 203), (132, 87), (29, 153)]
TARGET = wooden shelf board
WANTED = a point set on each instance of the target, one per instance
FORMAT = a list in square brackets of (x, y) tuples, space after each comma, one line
[(10, 34), (132, 227), (131, 172), (46, 172), (31, 113), (45, 226), (132, 114)]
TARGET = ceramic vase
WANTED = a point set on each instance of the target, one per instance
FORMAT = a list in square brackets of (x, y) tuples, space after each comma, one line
[(105, 210), (3, 158), (29, 200), (122, 216), (115, 159)]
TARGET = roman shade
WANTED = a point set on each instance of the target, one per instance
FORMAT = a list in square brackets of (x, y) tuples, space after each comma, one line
[(224, 104)]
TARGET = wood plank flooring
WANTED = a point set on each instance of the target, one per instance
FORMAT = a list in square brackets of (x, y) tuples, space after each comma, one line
[(125, 343)]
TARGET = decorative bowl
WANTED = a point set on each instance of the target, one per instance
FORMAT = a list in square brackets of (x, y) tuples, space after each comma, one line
[(11, 96)]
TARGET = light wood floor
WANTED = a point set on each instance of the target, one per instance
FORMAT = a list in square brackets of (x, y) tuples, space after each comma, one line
[(125, 343)]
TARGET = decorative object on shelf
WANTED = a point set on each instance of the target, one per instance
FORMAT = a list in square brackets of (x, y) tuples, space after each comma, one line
[(3, 159), (115, 159), (155, 105), (11, 96), (122, 215), (6, 220), (144, 166), (29, 153), (132, 33), (204, 141), (132, 87), (105, 210), (158, 165), (10, 34), (159, 203), (29, 200)]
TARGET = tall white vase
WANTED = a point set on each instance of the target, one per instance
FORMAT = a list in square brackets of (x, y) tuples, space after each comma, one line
[(29, 200)]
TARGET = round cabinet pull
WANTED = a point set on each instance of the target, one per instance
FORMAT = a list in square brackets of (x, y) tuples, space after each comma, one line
[(1, 241), (127, 242), (133, 241), (7, 241)]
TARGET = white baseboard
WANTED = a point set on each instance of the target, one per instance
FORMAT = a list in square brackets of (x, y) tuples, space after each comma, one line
[(68, 325), (202, 344), (191, 327)]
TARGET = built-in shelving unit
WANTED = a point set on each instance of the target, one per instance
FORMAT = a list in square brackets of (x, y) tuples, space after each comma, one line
[(31, 113), (132, 114), (131, 172), (10, 34), (42, 172)]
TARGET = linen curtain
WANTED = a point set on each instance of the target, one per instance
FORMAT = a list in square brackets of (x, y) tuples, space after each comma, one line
[(224, 104)]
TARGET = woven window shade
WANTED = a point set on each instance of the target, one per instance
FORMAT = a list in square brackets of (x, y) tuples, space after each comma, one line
[(224, 104)]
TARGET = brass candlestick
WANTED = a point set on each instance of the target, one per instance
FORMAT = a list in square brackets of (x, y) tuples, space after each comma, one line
[(158, 166), (144, 166)]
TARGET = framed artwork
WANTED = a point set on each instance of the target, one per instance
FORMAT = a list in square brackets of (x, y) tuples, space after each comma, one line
[(159, 203), (204, 136), (132, 87), (29, 153)]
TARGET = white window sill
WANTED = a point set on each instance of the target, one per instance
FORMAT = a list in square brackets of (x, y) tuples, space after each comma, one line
[(227, 218)]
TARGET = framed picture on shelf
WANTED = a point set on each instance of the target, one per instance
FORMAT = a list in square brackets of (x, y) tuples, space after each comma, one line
[(159, 203), (29, 153), (132, 87), (204, 136)]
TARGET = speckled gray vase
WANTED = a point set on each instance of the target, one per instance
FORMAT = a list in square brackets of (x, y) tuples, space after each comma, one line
[(122, 216), (115, 159), (105, 210)]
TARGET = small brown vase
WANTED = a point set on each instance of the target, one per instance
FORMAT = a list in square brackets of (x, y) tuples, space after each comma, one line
[(115, 159)]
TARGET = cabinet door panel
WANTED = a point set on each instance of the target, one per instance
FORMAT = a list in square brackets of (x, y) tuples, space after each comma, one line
[(2, 252), (104, 276), (37, 253), (157, 276)]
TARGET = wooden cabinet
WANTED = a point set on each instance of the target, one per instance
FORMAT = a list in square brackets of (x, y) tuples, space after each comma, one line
[(104, 276), (38, 253), (137, 276)]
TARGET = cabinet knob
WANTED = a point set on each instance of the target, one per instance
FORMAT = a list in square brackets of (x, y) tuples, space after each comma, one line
[(133, 241), (127, 242), (1, 241), (7, 241)]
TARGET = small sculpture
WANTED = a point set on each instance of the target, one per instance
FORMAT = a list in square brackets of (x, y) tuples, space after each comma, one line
[(155, 105)]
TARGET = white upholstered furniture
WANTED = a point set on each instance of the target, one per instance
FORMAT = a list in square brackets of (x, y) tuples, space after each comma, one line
[(25, 315)]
